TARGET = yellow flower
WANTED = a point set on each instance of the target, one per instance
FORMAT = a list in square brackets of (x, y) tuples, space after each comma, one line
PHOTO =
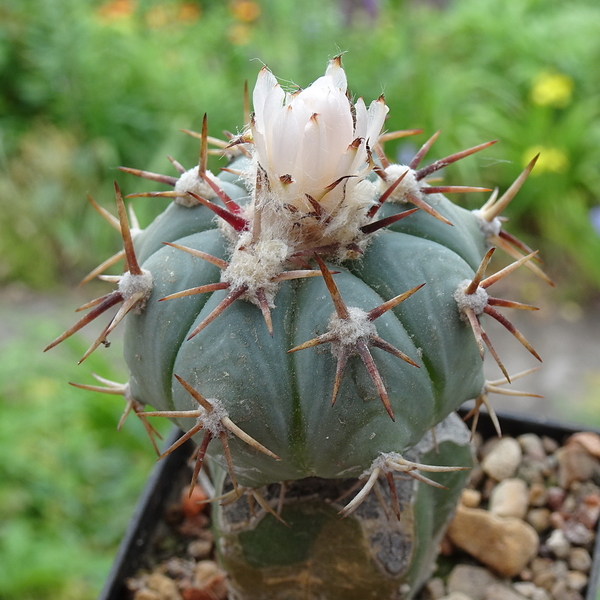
[(551, 160), (552, 89)]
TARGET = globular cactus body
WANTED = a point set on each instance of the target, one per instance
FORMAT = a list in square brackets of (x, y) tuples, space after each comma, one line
[(284, 400), (314, 310)]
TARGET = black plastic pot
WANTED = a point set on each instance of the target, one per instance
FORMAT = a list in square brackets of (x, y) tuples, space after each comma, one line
[(171, 474)]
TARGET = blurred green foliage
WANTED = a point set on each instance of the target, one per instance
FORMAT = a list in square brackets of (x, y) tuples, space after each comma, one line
[(68, 483), (91, 84)]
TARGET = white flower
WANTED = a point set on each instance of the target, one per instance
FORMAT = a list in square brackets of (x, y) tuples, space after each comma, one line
[(308, 140)]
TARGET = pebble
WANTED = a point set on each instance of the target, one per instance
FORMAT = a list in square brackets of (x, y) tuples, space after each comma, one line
[(193, 502), (539, 519), (208, 577), (200, 549), (146, 594), (574, 464), (569, 504), (576, 580), (577, 533), (559, 544), (532, 446), (195, 594), (550, 444), (194, 526), (505, 545), (531, 591), (509, 498), (545, 572), (499, 591), (178, 568), (503, 459), (164, 586), (588, 440), (457, 596), (557, 521), (471, 498), (471, 580), (589, 510), (434, 589), (580, 560), (532, 470), (555, 497), (531, 485), (538, 494), (561, 591)]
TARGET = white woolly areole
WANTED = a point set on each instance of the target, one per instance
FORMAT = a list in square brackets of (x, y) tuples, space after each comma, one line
[(350, 215), (349, 331), (382, 462), (129, 285), (409, 185), (190, 181), (344, 211), (212, 420), (488, 228), (476, 301), (254, 265)]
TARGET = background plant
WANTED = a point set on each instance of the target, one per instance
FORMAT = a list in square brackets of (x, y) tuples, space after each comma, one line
[(66, 489), (90, 85)]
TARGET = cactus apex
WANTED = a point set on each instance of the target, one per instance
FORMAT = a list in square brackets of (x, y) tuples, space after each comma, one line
[(244, 278)]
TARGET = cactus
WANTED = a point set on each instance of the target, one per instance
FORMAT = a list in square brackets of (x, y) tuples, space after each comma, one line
[(314, 310)]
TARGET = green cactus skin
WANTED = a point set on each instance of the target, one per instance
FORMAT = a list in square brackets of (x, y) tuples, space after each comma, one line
[(315, 329), (318, 555)]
